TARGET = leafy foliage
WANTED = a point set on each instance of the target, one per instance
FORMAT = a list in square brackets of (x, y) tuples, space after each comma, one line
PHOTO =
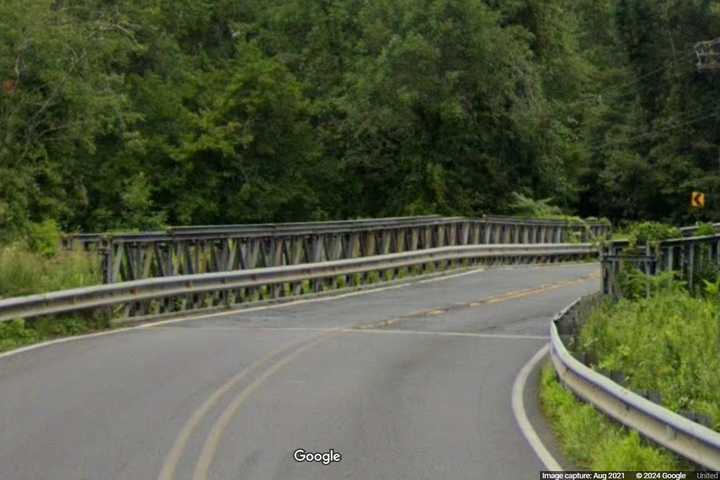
[(705, 229), (18, 333), (24, 272), (668, 344), (132, 115), (593, 441), (651, 233), (44, 238), (635, 284), (527, 207)]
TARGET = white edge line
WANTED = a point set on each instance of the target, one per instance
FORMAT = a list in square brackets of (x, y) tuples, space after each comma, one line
[(59, 341), (518, 407)]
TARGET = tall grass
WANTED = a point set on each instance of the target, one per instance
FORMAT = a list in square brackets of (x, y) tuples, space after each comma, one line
[(41, 267), (668, 344), (24, 272), (591, 440)]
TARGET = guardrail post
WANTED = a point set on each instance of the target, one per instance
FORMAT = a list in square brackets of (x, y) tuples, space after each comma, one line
[(475, 233), (296, 254), (413, 238), (148, 253), (333, 247), (252, 253), (400, 240), (691, 265), (526, 229), (385, 242), (317, 253), (452, 234), (464, 230), (108, 263), (426, 237), (487, 233)]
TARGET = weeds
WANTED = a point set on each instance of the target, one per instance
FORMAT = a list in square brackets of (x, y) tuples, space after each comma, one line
[(635, 284), (593, 441), (705, 229), (19, 333), (24, 272), (668, 344), (35, 263), (651, 233)]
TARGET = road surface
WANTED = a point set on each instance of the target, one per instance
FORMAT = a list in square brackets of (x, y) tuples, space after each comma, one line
[(405, 383)]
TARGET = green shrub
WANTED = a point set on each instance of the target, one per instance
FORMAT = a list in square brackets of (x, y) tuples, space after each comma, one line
[(23, 272), (15, 334), (669, 344), (18, 333), (634, 284), (528, 207), (626, 451), (652, 233), (44, 238), (705, 229), (590, 439)]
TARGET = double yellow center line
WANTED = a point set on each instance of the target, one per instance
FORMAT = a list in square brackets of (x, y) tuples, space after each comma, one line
[(274, 362)]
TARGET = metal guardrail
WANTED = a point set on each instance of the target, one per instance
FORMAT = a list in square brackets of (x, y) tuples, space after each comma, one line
[(691, 440), (689, 257), (690, 230), (205, 249), (86, 240), (225, 290)]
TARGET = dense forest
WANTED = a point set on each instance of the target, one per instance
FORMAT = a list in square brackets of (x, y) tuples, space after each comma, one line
[(136, 114)]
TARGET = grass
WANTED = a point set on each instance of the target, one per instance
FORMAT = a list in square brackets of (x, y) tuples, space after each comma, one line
[(668, 344), (666, 347), (24, 272), (20, 333), (591, 440)]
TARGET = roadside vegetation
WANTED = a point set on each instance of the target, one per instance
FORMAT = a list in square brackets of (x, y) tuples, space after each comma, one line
[(36, 264), (666, 347), (24, 272), (659, 340), (20, 333), (593, 441)]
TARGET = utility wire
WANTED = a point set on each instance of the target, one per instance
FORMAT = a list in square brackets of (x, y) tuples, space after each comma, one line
[(668, 128), (666, 66)]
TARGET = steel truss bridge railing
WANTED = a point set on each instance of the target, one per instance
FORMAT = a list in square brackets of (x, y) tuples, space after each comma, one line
[(691, 230), (177, 295), (689, 439), (206, 249), (690, 257)]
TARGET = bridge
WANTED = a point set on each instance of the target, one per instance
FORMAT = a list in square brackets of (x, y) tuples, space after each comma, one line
[(398, 348)]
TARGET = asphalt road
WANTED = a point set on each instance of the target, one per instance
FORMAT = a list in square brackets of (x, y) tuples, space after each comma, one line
[(406, 383)]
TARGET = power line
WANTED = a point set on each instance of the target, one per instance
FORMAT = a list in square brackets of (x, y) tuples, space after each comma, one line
[(694, 118), (667, 65), (691, 119)]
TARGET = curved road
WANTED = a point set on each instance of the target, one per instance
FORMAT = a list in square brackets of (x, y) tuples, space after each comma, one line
[(405, 383)]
